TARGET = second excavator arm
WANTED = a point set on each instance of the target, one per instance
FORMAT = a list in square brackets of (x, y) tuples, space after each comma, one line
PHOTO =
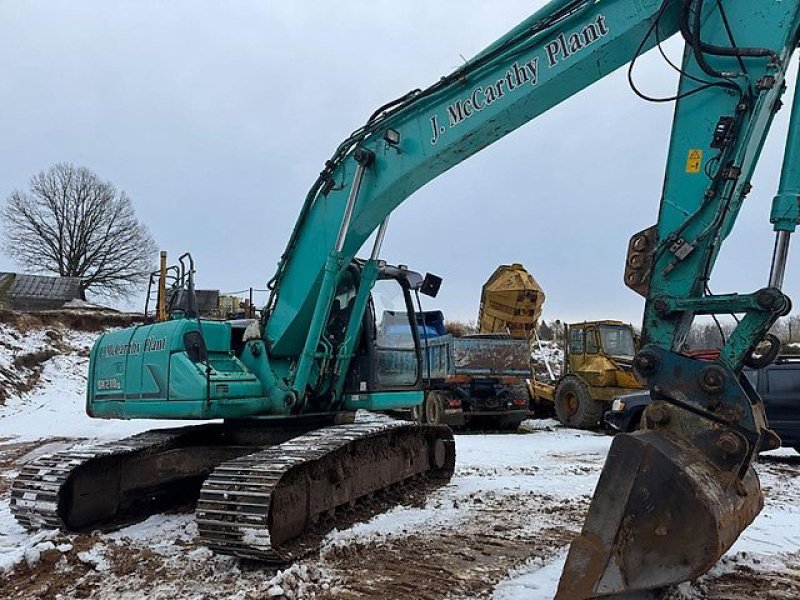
[(673, 498)]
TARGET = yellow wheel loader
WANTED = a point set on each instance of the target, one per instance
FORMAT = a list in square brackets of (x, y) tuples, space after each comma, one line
[(598, 365)]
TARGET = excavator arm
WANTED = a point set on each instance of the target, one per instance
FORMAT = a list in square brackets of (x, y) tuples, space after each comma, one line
[(543, 61), (674, 497)]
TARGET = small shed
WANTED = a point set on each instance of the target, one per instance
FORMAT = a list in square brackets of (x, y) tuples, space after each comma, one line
[(37, 292)]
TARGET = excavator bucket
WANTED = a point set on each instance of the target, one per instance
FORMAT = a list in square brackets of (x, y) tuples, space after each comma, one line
[(663, 512)]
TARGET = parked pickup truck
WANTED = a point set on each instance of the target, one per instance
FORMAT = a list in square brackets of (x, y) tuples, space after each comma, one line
[(474, 380), (778, 385)]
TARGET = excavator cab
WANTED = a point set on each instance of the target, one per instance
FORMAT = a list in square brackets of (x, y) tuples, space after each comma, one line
[(386, 371)]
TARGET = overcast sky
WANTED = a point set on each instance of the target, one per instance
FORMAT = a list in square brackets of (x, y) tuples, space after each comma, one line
[(216, 118)]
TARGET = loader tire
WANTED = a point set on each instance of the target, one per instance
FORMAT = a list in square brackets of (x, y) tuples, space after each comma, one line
[(575, 407), (434, 407)]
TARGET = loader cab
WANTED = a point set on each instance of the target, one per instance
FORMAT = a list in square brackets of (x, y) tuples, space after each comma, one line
[(601, 352), (610, 338)]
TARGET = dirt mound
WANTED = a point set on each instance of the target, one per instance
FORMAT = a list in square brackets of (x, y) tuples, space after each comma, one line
[(29, 340), (23, 355), (78, 320)]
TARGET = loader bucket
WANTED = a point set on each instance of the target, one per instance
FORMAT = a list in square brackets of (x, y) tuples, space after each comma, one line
[(663, 512)]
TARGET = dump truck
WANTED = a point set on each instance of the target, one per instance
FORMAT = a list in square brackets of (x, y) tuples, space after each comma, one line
[(475, 380), (597, 362), (598, 366)]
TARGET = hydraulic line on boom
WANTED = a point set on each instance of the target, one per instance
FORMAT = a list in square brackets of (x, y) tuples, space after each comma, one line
[(671, 499)]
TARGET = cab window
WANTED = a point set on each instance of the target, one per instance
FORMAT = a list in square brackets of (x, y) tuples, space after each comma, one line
[(592, 346), (617, 340), (396, 352), (783, 381), (576, 341)]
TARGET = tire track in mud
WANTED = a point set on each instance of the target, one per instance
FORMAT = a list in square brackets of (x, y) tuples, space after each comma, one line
[(743, 578), (745, 583), (467, 559)]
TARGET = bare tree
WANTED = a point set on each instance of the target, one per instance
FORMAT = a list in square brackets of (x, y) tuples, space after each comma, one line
[(72, 223)]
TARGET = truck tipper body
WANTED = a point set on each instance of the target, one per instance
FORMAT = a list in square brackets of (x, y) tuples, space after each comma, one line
[(473, 380)]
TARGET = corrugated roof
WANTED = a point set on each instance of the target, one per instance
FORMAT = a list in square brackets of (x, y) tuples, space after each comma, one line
[(42, 287)]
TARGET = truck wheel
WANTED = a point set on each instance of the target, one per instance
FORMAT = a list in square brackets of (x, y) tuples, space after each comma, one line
[(520, 390), (418, 413), (434, 409), (574, 407)]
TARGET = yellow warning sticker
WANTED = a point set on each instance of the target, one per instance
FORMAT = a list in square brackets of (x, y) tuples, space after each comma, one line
[(694, 160)]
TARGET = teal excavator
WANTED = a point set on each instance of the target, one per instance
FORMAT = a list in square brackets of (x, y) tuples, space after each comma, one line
[(279, 459)]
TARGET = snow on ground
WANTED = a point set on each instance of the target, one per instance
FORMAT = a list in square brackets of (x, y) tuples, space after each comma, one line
[(536, 579), (499, 529), (500, 465), (770, 544), (520, 496), (777, 528)]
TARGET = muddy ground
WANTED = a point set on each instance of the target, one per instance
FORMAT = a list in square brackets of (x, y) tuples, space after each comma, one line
[(500, 522)]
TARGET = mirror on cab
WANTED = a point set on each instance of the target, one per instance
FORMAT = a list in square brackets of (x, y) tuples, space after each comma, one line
[(430, 285)]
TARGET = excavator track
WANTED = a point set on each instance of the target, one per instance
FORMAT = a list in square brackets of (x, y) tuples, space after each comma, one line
[(115, 483), (264, 506), (40, 489), (260, 499)]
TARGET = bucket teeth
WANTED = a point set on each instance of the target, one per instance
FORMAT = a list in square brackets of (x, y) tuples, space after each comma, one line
[(662, 513)]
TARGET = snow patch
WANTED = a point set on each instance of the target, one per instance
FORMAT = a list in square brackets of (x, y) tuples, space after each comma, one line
[(256, 537), (95, 558), (536, 580), (16, 544), (163, 534)]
